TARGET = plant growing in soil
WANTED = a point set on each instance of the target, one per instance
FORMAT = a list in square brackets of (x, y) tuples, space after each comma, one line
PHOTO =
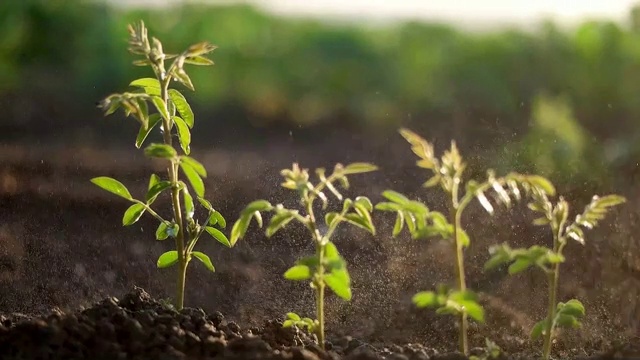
[(326, 268), (175, 118), (423, 223), (555, 215)]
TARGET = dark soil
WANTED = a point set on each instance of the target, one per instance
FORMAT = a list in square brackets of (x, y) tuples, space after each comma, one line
[(140, 327)]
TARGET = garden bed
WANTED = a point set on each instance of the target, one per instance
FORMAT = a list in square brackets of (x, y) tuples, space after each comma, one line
[(141, 327)]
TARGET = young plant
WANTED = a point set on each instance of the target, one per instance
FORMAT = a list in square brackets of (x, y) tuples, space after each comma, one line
[(562, 314), (425, 223), (174, 117), (326, 268)]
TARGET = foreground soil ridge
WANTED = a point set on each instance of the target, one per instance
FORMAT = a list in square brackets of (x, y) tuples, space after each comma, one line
[(140, 327)]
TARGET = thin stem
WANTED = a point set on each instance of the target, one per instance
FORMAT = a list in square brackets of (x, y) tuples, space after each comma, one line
[(319, 276), (552, 279), (175, 198), (462, 284)]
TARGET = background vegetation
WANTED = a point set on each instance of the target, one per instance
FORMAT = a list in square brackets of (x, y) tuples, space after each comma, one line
[(542, 100)]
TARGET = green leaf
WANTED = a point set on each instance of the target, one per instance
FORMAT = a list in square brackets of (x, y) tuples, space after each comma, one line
[(133, 214), (160, 151), (258, 205), (298, 272), (331, 251), (167, 259), (360, 222), (359, 168), (195, 164), (143, 133), (279, 221), (161, 107), (463, 238), (396, 197), (156, 189), (340, 283), (388, 206), (293, 316), (364, 202), (161, 232), (198, 60), (399, 225), (288, 323), (473, 309), (218, 235), (219, 219), (184, 135), (572, 307), (542, 183), (206, 204), (567, 321), (113, 186), (194, 178), (500, 254), (145, 83), (189, 207), (433, 181), (425, 299), (182, 106), (239, 229), (204, 259), (538, 329), (519, 265)]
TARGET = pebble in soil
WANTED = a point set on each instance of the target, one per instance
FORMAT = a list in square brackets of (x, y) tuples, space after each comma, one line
[(139, 328)]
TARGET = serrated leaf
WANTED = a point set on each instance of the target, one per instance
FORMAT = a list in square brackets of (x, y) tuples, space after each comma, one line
[(278, 221), (133, 214), (218, 235), (161, 232), (183, 107), (297, 273), (359, 168), (184, 135), (194, 178), (160, 106), (155, 190), (143, 133), (167, 259), (113, 186), (204, 259), (160, 151)]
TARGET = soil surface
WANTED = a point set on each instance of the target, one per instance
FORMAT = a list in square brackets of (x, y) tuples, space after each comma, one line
[(62, 246), (140, 327)]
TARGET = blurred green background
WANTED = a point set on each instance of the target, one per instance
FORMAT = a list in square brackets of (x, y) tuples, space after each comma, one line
[(560, 102)]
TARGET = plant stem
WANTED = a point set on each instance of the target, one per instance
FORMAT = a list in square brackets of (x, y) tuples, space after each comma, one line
[(552, 279), (175, 198), (456, 213), (320, 296)]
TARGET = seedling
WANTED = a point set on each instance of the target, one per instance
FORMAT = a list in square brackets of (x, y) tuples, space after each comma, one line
[(174, 117), (425, 223), (560, 315), (326, 267), (491, 351)]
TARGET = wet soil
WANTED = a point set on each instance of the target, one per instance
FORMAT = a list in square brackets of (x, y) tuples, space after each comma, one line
[(62, 246)]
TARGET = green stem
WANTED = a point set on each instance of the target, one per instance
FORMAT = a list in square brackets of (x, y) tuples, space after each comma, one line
[(462, 284), (552, 279), (175, 198), (320, 296)]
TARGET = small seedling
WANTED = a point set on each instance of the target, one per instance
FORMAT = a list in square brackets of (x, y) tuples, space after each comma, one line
[(491, 351), (423, 223), (563, 314), (326, 267), (175, 118)]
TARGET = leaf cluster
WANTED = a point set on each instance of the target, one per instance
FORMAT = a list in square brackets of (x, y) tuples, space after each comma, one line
[(567, 315), (451, 302)]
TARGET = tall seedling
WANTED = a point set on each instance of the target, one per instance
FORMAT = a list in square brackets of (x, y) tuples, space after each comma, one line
[(425, 223), (173, 116), (555, 215), (326, 267)]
